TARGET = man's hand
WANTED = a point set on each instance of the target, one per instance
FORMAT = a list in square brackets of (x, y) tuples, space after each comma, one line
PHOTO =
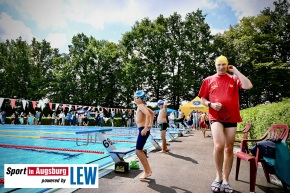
[(144, 132), (216, 106)]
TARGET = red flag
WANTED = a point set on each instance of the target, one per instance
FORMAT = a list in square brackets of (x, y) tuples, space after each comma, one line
[(34, 104), (50, 106), (63, 107), (12, 102)]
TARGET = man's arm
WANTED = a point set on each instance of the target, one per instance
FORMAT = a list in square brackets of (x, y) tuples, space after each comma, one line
[(246, 83), (152, 115)]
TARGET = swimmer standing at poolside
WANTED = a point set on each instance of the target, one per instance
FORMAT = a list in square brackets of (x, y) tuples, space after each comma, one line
[(144, 121), (163, 124)]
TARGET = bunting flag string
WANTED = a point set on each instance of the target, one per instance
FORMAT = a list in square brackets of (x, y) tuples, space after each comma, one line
[(42, 103)]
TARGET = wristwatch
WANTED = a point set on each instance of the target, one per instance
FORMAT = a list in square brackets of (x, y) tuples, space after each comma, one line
[(208, 104)]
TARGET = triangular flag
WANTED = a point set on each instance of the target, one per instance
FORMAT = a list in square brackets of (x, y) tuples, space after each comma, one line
[(63, 107), (1, 101), (69, 107), (41, 104), (93, 108), (12, 101), (56, 106), (89, 108), (50, 106), (33, 104), (76, 107), (24, 104)]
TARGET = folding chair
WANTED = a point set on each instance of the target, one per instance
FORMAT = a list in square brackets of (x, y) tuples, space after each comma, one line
[(276, 131), (245, 132)]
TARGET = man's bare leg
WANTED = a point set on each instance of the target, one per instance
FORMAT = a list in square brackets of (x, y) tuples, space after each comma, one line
[(228, 152), (218, 151)]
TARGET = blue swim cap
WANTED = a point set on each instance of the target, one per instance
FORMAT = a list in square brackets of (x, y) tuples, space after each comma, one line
[(141, 94), (160, 102)]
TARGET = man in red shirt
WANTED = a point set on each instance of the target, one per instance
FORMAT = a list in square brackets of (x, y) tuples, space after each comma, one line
[(220, 92)]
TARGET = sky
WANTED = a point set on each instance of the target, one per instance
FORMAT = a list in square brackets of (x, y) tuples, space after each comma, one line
[(57, 21)]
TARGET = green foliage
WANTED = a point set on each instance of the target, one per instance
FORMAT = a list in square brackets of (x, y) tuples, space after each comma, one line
[(264, 115)]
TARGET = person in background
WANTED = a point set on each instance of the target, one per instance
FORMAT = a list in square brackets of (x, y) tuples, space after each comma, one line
[(220, 92), (101, 118), (189, 119), (124, 118), (53, 118), (97, 118), (86, 120), (16, 122), (74, 118), (163, 124), (68, 118), (21, 120), (171, 119), (112, 117), (12, 119), (37, 116), (180, 119), (130, 118), (80, 120), (144, 121)]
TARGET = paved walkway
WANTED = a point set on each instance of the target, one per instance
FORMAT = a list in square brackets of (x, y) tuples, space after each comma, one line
[(188, 167)]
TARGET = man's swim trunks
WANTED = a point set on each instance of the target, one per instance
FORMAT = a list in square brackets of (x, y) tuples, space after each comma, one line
[(163, 126), (141, 140)]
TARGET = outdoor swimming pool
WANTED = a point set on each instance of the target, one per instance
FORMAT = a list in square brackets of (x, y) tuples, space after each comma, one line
[(25, 144)]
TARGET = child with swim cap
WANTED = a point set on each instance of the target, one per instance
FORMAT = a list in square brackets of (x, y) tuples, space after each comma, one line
[(144, 121)]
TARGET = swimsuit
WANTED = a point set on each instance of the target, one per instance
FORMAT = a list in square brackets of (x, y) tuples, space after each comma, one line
[(225, 124), (141, 140), (163, 126)]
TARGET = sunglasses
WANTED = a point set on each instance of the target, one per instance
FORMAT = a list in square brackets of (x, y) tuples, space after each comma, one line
[(136, 97)]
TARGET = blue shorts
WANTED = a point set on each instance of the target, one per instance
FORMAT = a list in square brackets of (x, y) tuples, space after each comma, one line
[(141, 140)]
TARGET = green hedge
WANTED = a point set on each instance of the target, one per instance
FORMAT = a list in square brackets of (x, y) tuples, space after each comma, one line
[(264, 115)]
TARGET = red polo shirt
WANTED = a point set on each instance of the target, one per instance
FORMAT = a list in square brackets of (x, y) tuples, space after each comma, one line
[(225, 90)]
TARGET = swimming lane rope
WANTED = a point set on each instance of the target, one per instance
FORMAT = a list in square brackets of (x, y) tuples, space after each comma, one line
[(50, 148)]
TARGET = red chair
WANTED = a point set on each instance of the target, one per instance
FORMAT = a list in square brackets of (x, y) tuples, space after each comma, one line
[(244, 132), (276, 131)]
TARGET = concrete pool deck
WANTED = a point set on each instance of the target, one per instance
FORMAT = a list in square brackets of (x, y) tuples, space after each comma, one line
[(188, 167)]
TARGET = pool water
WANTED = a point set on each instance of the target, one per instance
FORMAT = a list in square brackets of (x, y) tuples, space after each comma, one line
[(59, 137)]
